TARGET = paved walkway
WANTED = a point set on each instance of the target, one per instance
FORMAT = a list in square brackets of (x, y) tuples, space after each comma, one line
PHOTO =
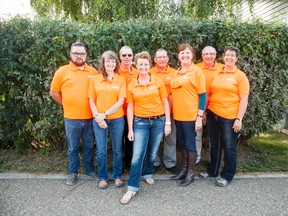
[(24, 194)]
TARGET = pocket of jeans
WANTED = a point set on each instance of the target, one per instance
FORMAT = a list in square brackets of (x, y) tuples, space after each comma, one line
[(136, 119), (162, 118)]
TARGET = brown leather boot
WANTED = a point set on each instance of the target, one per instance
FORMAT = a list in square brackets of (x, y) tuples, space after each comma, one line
[(190, 176), (182, 174)]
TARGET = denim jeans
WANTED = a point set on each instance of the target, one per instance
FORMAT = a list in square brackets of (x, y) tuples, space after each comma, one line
[(77, 130), (147, 137), (116, 128), (222, 135), (186, 135)]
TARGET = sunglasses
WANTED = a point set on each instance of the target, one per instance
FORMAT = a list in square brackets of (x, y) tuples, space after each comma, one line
[(125, 55)]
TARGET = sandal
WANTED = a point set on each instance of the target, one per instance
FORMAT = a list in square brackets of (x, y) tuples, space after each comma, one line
[(150, 181), (103, 184), (119, 183), (127, 197)]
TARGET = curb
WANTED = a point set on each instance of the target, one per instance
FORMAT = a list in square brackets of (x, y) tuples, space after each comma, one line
[(16, 176)]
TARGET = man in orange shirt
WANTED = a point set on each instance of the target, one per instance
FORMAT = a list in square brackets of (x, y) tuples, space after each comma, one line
[(209, 67), (129, 73), (165, 72), (69, 89)]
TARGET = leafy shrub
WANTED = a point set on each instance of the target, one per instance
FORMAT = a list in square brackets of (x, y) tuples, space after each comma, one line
[(31, 51)]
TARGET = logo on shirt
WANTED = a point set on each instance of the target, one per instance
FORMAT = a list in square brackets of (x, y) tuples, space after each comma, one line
[(152, 87), (115, 87), (230, 79)]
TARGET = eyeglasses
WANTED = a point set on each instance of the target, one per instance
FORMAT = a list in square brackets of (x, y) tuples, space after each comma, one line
[(78, 54), (143, 65), (206, 54), (125, 55), (110, 61), (232, 56)]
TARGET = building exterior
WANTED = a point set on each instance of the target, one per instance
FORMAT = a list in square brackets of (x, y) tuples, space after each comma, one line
[(268, 10)]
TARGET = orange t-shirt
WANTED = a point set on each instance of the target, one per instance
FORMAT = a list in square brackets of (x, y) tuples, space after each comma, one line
[(73, 84), (209, 72), (107, 93), (165, 76), (185, 88), (147, 99), (225, 89), (129, 75)]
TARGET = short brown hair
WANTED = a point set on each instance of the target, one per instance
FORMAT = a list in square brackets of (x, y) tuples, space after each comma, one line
[(185, 46)]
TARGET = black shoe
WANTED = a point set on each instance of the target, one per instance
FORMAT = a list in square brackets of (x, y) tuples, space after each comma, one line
[(173, 170), (156, 168)]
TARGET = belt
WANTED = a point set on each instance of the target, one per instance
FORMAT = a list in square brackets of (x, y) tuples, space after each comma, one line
[(151, 117)]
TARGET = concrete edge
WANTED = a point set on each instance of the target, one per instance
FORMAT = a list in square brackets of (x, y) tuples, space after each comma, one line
[(19, 176)]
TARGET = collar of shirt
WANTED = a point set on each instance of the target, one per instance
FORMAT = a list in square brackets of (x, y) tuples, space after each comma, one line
[(233, 70), (136, 83), (75, 68)]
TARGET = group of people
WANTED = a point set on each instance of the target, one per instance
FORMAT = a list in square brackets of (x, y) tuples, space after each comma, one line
[(139, 106)]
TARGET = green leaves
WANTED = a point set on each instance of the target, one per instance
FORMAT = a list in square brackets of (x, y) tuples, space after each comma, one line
[(31, 51)]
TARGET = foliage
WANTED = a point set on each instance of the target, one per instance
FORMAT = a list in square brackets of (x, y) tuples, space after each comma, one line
[(31, 51), (119, 10)]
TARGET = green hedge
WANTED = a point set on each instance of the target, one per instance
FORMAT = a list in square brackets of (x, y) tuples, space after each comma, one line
[(31, 51)]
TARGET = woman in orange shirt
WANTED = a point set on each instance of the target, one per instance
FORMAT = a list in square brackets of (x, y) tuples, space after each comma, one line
[(227, 99), (107, 92), (188, 101), (148, 117)]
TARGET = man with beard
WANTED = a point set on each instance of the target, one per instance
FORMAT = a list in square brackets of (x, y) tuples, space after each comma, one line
[(69, 89)]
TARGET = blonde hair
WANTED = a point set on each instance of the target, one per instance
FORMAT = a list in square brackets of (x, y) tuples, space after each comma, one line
[(142, 55)]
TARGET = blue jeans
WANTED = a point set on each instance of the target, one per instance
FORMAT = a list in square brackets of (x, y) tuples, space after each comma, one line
[(116, 128), (222, 135), (186, 135), (77, 130), (147, 137)]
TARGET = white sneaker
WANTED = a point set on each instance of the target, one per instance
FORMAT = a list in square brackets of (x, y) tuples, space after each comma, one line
[(221, 182), (203, 175), (127, 197)]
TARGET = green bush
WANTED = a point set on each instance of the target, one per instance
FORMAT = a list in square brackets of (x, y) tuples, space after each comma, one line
[(31, 51)]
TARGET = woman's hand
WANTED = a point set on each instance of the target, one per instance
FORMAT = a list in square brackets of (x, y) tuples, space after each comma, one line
[(204, 119), (130, 135), (237, 126), (167, 129), (102, 124), (100, 117), (198, 123)]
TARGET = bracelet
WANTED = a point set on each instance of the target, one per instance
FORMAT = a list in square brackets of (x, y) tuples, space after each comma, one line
[(201, 116), (167, 123), (105, 113), (238, 119)]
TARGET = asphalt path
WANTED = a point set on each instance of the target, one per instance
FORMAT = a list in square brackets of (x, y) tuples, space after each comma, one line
[(24, 194)]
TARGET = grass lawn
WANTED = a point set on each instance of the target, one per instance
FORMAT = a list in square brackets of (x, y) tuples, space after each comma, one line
[(263, 153), (268, 153)]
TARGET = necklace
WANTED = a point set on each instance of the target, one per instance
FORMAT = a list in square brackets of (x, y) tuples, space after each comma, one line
[(144, 81)]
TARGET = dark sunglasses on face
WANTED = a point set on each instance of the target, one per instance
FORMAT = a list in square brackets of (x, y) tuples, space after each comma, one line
[(125, 55)]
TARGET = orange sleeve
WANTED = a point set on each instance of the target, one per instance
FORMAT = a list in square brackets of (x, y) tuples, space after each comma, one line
[(243, 84)]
